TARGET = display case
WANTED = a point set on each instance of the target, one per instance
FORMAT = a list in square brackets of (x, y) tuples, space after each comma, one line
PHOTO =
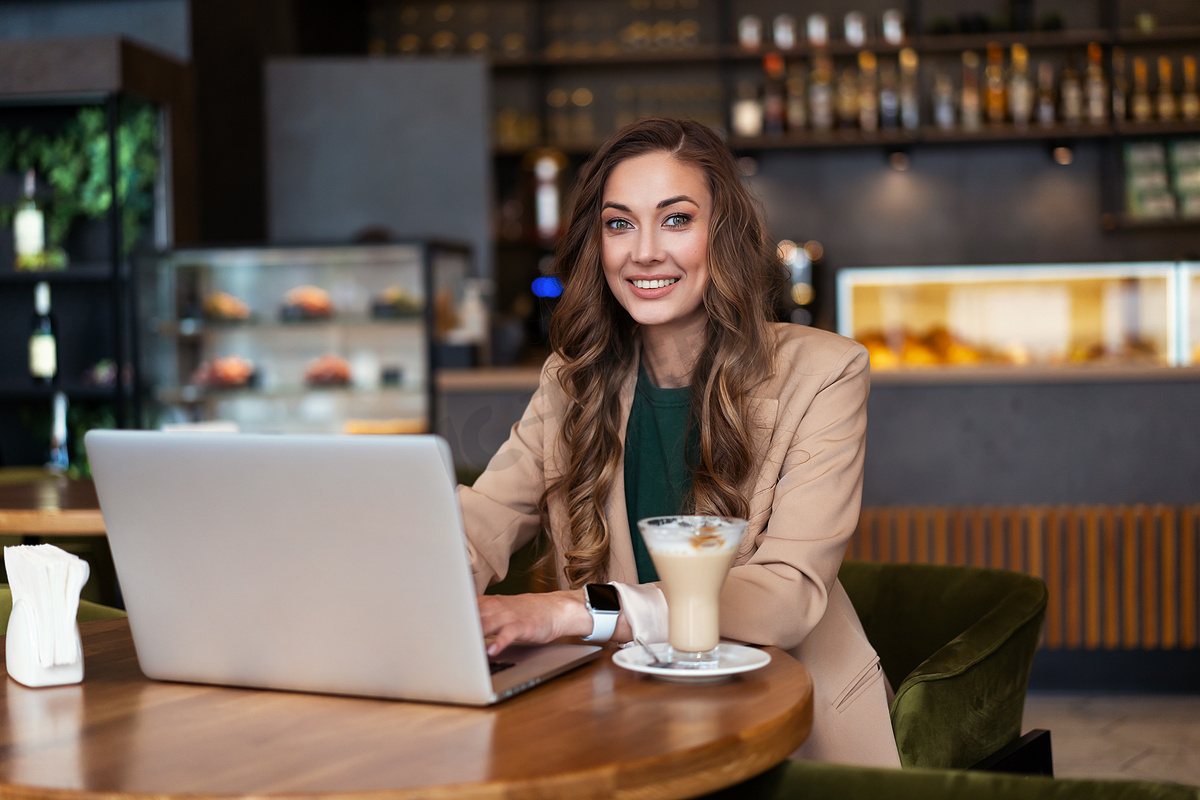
[(1189, 313), (1029, 315), (309, 339)]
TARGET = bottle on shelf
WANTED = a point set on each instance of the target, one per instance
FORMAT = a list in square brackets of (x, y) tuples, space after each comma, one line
[(43, 340), (868, 91), (29, 227), (969, 107), (58, 460), (910, 98), (747, 112), (1141, 108), (1047, 100), (1095, 87), (889, 98), (1020, 87), (995, 100), (1165, 99), (1070, 96), (796, 109), (1120, 86), (943, 102), (847, 99), (1189, 100), (774, 109), (820, 94)]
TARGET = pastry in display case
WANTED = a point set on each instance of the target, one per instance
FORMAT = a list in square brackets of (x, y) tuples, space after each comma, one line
[(322, 339), (1054, 315)]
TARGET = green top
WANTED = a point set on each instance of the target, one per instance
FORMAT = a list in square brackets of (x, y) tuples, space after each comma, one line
[(657, 450)]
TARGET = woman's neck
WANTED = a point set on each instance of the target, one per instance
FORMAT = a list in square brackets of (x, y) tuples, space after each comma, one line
[(669, 353)]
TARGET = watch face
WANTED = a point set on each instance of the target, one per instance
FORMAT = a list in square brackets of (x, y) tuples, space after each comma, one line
[(603, 597)]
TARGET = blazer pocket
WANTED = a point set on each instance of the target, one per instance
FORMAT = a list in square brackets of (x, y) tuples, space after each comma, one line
[(861, 682)]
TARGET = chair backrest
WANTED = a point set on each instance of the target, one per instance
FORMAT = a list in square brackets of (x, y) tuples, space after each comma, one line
[(815, 780), (957, 643), (87, 610)]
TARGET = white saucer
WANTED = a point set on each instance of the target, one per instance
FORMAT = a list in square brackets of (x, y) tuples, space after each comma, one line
[(733, 658)]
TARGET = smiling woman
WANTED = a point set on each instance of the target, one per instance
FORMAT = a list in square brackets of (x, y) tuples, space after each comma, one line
[(672, 390)]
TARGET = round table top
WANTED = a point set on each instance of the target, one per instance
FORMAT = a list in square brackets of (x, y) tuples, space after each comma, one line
[(599, 731), (34, 502)]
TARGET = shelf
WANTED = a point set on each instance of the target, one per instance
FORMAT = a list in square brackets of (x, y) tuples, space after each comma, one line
[(930, 43), (957, 42), (1188, 34), (85, 272), (1082, 373), (185, 395), (195, 328), (19, 391), (1127, 223), (1172, 128)]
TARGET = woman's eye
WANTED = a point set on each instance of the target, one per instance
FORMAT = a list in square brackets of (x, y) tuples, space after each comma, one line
[(617, 224), (676, 220)]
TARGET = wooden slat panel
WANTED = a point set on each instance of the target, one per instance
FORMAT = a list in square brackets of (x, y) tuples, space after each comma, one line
[(978, 543), (921, 535), (1130, 578), (1168, 547), (1149, 555), (1072, 591), (1189, 598), (941, 547), (960, 537), (1112, 597), (1118, 576), (902, 537), (1091, 577), (1054, 584), (996, 531)]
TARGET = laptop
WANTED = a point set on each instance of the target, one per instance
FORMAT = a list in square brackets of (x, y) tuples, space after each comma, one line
[(305, 562)]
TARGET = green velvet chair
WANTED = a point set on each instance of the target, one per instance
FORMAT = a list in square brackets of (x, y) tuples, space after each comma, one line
[(811, 780), (957, 644), (87, 610)]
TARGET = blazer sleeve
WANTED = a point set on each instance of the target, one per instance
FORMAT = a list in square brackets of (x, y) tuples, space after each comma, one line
[(500, 511), (778, 592)]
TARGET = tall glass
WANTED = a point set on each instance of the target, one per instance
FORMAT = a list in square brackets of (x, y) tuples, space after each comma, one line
[(693, 555)]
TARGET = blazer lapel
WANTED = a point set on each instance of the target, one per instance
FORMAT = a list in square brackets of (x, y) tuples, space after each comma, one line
[(621, 565)]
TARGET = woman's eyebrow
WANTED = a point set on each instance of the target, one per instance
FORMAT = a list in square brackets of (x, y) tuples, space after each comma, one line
[(670, 201), (683, 198)]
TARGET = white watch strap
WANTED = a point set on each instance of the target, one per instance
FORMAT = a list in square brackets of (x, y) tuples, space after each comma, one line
[(604, 625)]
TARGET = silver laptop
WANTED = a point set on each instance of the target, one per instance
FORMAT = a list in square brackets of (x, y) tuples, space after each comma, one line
[(316, 563)]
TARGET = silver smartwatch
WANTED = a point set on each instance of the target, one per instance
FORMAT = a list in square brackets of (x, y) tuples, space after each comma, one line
[(604, 604)]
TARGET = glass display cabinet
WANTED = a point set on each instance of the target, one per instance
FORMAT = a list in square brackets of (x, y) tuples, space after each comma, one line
[(308, 339), (1189, 313), (1035, 315)]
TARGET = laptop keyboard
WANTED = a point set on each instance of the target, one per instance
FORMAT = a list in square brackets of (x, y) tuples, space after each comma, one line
[(499, 666)]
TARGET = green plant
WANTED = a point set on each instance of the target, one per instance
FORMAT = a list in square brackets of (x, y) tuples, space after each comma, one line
[(74, 162)]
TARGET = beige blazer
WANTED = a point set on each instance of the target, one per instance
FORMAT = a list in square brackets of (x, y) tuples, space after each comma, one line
[(808, 421)]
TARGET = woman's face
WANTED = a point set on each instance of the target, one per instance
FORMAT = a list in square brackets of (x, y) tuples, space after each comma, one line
[(655, 215)]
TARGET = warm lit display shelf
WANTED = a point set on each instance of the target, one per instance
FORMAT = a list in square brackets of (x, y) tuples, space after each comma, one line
[(1042, 321)]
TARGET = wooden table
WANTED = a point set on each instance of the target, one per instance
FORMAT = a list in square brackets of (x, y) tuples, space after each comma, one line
[(34, 502), (599, 731)]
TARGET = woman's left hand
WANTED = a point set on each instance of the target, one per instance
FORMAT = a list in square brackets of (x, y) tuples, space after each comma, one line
[(534, 618)]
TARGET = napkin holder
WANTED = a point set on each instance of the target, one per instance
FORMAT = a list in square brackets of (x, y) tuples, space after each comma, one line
[(21, 653)]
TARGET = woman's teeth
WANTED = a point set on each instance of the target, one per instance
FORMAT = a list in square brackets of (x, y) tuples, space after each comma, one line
[(658, 284)]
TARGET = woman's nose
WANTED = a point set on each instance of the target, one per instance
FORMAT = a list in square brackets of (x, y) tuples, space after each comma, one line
[(647, 249)]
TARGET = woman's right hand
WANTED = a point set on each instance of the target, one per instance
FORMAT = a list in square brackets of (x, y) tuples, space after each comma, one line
[(533, 618)]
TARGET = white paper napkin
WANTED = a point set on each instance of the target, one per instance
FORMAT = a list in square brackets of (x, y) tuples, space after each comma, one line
[(49, 579)]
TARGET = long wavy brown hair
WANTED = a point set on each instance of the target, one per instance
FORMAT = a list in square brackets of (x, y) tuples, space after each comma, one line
[(594, 336)]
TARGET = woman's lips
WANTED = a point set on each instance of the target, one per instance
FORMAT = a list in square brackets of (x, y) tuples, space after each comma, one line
[(651, 288)]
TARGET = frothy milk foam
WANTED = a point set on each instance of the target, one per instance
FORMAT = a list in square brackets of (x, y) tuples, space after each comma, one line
[(692, 567)]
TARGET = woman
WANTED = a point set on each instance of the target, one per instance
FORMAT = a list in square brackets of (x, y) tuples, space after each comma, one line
[(671, 390)]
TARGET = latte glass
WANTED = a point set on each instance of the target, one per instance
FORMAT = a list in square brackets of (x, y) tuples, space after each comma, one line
[(693, 555)]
